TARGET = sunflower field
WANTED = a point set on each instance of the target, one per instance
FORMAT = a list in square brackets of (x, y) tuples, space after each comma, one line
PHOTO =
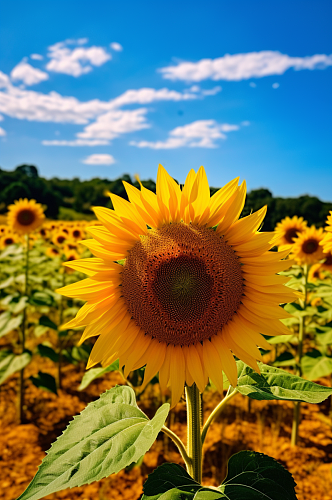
[(192, 349)]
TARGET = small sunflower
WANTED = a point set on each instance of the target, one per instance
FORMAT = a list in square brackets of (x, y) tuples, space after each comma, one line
[(60, 238), (52, 252), (24, 216), (195, 284), (315, 273), (307, 248), (8, 239), (76, 233), (327, 239), (287, 231)]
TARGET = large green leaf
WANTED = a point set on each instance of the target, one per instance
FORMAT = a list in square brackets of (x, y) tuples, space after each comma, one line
[(8, 324), (315, 365), (108, 435), (274, 383), (12, 363), (324, 338), (94, 373), (255, 476)]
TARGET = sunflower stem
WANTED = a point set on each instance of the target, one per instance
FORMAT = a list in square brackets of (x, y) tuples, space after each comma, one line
[(59, 381), (179, 444), (194, 442), (297, 407), (20, 402), (216, 412)]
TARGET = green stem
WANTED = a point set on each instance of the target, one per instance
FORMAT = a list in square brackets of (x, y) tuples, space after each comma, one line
[(60, 346), (297, 408), (194, 446), (216, 412), (21, 374), (177, 441)]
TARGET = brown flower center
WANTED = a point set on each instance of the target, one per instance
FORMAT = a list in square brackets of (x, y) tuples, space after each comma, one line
[(182, 283), (76, 233), (291, 234), (9, 241), (310, 246), (328, 260), (60, 239), (26, 217)]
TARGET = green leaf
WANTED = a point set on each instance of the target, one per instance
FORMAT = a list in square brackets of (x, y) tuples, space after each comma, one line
[(255, 476), (274, 383), (7, 282), (44, 381), (48, 352), (41, 299), (81, 353), (108, 435), (17, 306), (94, 373), (324, 338), (280, 339), (45, 321), (285, 359), (8, 324), (315, 365), (40, 330), (12, 363)]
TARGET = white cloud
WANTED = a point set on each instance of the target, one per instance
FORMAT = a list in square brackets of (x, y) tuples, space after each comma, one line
[(28, 74), (1, 118), (199, 134), (243, 66), (4, 81), (245, 123), (275, 85), (213, 91), (252, 84), (37, 57), (116, 46), (147, 95), (76, 142), (77, 61), (99, 159), (2, 132)]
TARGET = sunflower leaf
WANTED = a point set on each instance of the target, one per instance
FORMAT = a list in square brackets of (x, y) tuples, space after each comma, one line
[(95, 373), (315, 365), (108, 435), (274, 383), (11, 363), (254, 475)]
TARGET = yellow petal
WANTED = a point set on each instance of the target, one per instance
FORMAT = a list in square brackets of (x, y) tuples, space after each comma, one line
[(213, 363), (244, 229), (227, 358), (177, 373)]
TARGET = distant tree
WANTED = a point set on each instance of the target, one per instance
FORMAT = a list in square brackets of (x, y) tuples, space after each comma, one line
[(28, 170), (15, 191)]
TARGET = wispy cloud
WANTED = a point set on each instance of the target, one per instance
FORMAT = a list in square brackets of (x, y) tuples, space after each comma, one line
[(37, 57), (77, 61), (76, 142), (243, 66), (28, 74), (199, 134), (116, 46), (2, 132), (99, 159)]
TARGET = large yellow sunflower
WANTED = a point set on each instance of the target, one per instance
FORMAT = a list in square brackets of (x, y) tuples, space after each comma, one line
[(178, 283), (287, 230), (24, 216), (307, 248), (327, 239)]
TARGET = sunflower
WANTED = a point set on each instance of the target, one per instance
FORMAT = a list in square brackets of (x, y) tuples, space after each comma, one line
[(327, 239), (52, 252), (8, 239), (287, 231), (178, 283), (60, 238), (24, 216), (76, 233), (315, 273), (307, 248)]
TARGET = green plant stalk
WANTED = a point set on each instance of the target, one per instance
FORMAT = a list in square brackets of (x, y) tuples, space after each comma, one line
[(60, 346), (194, 441), (216, 412), (179, 444), (297, 407), (21, 373)]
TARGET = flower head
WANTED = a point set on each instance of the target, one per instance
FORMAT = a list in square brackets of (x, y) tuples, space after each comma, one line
[(179, 283), (327, 239), (307, 248), (24, 216), (287, 231)]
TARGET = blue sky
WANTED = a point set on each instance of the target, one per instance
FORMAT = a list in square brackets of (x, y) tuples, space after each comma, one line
[(105, 88)]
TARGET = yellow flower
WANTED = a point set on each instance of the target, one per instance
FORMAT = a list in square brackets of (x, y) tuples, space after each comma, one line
[(317, 301), (8, 238), (24, 216), (76, 233), (60, 238), (52, 252), (196, 284), (307, 249), (315, 273), (287, 231), (327, 239)]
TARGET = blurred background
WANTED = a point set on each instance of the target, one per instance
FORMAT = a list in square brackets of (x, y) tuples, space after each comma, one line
[(95, 92)]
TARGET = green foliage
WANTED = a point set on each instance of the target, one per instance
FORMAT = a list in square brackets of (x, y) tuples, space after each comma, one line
[(274, 383), (95, 373), (11, 363), (9, 323), (108, 435), (44, 381), (315, 365), (251, 476)]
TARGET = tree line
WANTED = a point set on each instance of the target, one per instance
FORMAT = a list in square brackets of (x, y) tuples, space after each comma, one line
[(80, 196)]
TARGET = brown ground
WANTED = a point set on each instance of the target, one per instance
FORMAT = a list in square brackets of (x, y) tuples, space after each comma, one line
[(265, 428)]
